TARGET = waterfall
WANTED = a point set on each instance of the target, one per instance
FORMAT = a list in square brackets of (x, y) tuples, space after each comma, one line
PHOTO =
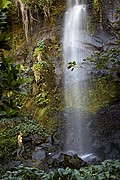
[(75, 82)]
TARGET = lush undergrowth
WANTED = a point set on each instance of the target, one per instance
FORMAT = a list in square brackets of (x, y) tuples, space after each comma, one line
[(9, 132), (108, 169)]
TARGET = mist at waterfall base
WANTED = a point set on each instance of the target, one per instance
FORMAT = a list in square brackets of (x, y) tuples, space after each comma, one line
[(76, 137)]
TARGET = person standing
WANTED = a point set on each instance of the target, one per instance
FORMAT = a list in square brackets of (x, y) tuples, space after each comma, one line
[(20, 144)]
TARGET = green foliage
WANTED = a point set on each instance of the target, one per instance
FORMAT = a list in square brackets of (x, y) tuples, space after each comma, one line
[(109, 169), (42, 65), (39, 50), (8, 135), (41, 45), (29, 127), (72, 65), (10, 84), (40, 69), (2, 18), (42, 99), (8, 143), (26, 173), (4, 42), (4, 4), (11, 78), (100, 94), (106, 61)]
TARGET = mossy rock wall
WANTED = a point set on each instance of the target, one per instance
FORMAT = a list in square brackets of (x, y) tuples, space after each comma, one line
[(43, 96)]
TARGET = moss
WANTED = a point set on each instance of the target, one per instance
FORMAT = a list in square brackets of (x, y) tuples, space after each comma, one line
[(100, 95), (8, 143)]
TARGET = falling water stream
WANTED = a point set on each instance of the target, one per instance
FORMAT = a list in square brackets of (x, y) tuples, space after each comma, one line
[(75, 82)]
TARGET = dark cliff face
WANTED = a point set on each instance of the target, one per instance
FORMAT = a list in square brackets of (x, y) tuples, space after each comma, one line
[(105, 132), (105, 123)]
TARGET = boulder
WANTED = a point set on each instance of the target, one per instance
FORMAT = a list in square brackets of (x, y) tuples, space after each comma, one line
[(38, 154)]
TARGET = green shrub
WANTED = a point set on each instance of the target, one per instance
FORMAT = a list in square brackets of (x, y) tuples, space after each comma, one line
[(26, 173), (108, 170), (8, 136)]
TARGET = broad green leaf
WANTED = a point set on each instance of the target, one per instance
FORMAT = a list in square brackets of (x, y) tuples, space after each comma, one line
[(74, 63), (4, 4), (13, 83), (9, 59), (2, 113), (69, 66)]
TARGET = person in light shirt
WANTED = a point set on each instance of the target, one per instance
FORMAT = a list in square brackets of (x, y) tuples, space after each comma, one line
[(20, 144)]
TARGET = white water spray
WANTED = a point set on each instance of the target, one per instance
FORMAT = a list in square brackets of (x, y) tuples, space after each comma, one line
[(75, 83)]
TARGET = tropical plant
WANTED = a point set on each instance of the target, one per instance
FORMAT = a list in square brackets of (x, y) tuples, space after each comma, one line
[(39, 51), (108, 170), (42, 65), (11, 81), (4, 4)]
